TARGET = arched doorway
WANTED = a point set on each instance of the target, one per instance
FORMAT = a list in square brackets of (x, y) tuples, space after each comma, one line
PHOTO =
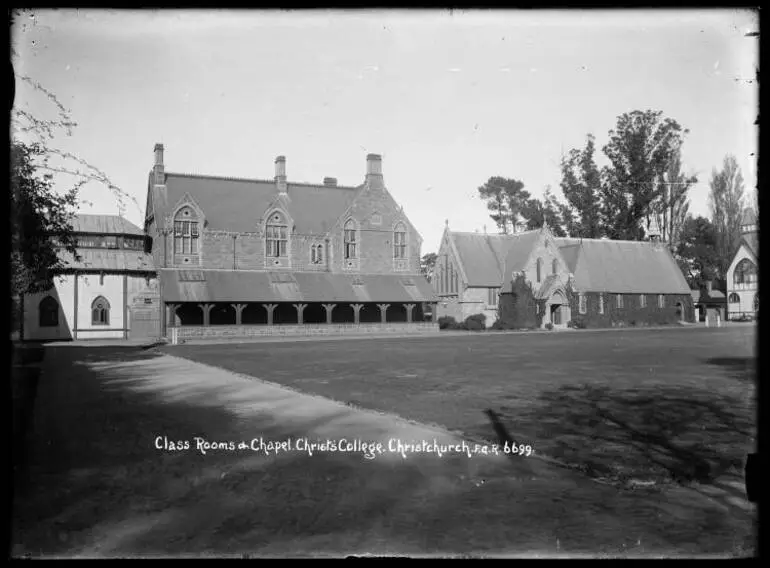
[(557, 309)]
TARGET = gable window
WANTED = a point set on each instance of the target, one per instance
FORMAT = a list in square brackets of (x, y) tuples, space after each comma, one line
[(601, 303), (582, 304), (350, 240), (185, 233), (661, 301), (539, 269), (642, 300), (100, 311), (554, 266), (619, 300), (48, 312), (399, 241), (276, 239), (745, 272), (734, 298)]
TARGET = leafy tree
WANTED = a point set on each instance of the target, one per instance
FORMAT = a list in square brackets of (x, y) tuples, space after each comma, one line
[(726, 205), (696, 251), (640, 151), (428, 264), (671, 209), (505, 198), (37, 211), (539, 212), (580, 184)]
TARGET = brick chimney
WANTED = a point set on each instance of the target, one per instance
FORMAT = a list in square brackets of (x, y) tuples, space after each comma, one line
[(330, 182), (158, 169), (280, 174), (374, 172)]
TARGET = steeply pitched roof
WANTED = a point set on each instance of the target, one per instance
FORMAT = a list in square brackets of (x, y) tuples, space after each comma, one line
[(751, 241), (236, 204), (630, 267), (485, 258), (105, 224), (256, 286)]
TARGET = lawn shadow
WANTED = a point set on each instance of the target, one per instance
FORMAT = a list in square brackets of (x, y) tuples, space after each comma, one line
[(740, 368)]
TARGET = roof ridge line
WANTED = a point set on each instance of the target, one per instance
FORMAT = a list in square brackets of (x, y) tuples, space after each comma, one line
[(257, 180)]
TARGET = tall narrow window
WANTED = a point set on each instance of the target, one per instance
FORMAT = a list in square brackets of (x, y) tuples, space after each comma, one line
[(539, 269), (642, 300), (661, 301), (554, 266), (48, 312), (451, 279), (350, 240), (100, 311), (399, 241), (601, 303), (494, 294), (276, 237), (619, 300), (316, 254), (582, 304), (186, 233)]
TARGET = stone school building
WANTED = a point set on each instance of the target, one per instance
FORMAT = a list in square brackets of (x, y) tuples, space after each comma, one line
[(241, 257), (594, 282)]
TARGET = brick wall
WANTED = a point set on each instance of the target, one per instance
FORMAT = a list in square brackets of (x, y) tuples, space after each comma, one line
[(375, 212), (244, 331), (632, 312)]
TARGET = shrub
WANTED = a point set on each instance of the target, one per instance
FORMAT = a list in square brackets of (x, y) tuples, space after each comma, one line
[(475, 322), (549, 326), (498, 325), (579, 324), (447, 322)]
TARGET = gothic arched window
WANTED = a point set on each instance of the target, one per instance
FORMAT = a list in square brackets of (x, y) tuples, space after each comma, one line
[(48, 312), (745, 272), (539, 269), (350, 240), (399, 241), (734, 298), (554, 266), (100, 311), (186, 233), (276, 236)]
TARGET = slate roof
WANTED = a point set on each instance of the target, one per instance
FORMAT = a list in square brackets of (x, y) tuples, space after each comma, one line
[(485, 258), (752, 242), (104, 224), (598, 265), (630, 267), (108, 260), (257, 286), (237, 204)]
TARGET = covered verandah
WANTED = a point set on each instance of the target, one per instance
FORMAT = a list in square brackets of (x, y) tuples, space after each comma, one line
[(245, 299)]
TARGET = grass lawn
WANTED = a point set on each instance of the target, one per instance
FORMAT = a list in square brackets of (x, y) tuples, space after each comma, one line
[(644, 405), (652, 405)]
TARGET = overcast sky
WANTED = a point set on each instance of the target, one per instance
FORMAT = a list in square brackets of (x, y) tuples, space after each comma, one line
[(448, 99)]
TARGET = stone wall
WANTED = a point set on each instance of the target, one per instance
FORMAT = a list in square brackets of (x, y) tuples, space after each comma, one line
[(245, 331), (632, 313)]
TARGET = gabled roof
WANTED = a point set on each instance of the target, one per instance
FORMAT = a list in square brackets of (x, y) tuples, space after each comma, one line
[(237, 204), (485, 258), (104, 224), (632, 267), (751, 240)]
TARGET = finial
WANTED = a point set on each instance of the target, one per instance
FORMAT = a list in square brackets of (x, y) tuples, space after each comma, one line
[(485, 229)]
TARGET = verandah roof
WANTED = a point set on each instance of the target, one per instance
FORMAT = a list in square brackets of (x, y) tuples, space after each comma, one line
[(254, 286)]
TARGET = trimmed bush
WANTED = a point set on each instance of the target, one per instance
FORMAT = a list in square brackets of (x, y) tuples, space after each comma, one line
[(447, 322), (475, 322), (549, 326)]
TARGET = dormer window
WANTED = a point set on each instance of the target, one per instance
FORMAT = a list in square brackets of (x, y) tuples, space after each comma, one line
[(350, 240), (186, 233), (276, 237)]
